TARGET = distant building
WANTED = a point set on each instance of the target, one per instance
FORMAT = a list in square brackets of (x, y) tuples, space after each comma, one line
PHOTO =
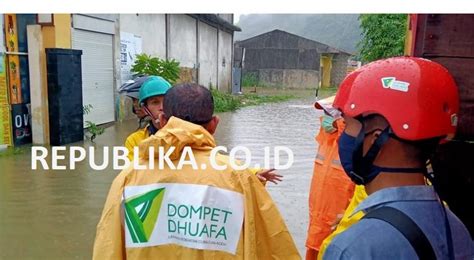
[(281, 59)]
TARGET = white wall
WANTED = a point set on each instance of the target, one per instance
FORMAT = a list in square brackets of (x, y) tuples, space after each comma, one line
[(225, 61), (182, 40), (207, 55), (151, 28)]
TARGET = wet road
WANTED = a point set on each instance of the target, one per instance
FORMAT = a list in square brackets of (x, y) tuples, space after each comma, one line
[(53, 214)]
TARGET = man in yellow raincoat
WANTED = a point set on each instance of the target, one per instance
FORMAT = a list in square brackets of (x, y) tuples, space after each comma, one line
[(151, 96), (196, 211)]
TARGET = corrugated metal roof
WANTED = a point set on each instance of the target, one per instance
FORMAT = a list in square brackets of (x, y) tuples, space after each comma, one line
[(216, 21), (328, 49)]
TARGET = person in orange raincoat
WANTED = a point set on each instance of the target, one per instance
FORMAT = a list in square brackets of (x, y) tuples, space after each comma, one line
[(331, 189)]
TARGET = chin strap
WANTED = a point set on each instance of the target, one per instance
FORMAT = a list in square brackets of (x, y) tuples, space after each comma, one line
[(361, 173), (149, 113)]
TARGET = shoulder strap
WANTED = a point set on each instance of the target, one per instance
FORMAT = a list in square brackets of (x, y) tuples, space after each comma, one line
[(405, 225)]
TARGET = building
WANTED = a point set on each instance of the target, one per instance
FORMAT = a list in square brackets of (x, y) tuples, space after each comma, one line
[(281, 59), (201, 43)]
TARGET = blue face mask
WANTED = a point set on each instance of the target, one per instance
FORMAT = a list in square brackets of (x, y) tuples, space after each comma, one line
[(327, 124), (347, 146)]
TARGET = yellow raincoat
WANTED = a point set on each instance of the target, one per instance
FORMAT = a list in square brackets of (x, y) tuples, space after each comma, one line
[(262, 234), (134, 139), (347, 219)]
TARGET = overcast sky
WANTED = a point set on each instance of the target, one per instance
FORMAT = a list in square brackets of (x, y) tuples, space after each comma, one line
[(236, 17)]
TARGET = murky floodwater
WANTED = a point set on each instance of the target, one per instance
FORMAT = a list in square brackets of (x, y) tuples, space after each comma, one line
[(53, 214)]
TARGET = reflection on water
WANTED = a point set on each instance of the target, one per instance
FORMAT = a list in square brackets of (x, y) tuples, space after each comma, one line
[(53, 214)]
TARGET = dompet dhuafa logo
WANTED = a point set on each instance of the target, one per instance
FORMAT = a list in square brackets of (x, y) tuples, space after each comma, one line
[(190, 215), (141, 213)]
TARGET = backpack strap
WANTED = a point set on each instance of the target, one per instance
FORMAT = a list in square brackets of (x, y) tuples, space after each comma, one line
[(409, 229)]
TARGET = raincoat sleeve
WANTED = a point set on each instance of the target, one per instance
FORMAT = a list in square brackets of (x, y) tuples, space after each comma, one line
[(110, 239), (265, 231), (255, 171)]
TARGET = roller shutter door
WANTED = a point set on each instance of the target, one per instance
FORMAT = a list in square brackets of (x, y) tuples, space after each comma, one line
[(97, 74)]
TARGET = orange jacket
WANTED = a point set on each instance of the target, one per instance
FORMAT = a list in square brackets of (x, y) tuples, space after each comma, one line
[(331, 189)]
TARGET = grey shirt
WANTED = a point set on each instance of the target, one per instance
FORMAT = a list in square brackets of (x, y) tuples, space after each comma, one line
[(376, 239)]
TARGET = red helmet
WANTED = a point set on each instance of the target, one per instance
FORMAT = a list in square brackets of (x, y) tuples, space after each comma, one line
[(418, 97)]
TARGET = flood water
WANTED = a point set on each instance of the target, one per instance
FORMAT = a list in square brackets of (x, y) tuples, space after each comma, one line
[(53, 214)]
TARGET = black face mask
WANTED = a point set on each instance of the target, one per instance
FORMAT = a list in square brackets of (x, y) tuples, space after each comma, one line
[(360, 168)]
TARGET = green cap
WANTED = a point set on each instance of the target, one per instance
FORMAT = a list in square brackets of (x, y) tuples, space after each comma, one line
[(154, 86)]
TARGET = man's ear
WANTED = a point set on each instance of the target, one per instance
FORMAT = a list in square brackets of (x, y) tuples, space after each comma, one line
[(163, 120), (212, 125)]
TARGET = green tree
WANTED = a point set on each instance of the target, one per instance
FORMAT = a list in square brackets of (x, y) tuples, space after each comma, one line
[(383, 36), (154, 66)]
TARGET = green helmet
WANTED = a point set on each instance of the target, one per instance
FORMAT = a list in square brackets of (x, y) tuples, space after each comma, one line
[(154, 86)]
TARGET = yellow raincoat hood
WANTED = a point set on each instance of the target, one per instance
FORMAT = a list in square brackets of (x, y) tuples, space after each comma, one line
[(178, 133), (262, 233)]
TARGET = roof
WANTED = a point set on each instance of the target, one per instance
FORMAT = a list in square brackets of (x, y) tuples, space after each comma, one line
[(330, 49), (216, 21)]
